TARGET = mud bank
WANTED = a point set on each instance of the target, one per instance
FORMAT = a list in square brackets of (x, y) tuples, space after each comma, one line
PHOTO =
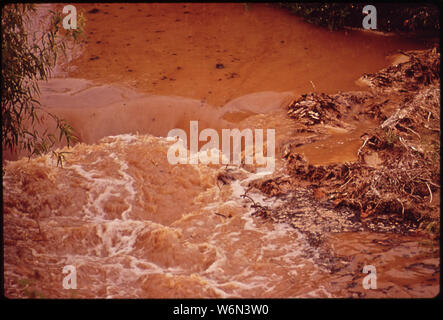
[(393, 184)]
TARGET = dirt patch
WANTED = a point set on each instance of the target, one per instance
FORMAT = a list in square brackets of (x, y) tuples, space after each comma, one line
[(394, 184)]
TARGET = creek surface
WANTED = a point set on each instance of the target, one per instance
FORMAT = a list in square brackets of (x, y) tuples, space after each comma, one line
[(134, 225)]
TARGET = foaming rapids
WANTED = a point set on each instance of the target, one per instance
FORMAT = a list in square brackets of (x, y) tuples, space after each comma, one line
[(135, 226)]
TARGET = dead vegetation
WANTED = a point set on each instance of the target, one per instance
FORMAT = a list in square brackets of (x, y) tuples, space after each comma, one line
[(312, 109), (422, 69), (397, 172)]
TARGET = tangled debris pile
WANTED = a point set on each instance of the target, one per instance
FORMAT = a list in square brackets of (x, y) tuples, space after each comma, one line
[(395, 183), (421, 69), (311, 109)]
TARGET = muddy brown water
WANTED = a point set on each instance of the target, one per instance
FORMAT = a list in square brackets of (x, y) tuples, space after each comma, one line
[(134, 225)]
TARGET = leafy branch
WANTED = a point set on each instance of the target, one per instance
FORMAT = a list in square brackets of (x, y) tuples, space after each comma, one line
[(28, 57)]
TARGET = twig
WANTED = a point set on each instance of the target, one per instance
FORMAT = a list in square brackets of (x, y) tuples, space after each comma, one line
[(219, 214), (430, 192), (409, 130), (313, 85), (255, 205), (246, 196), (433, 184), (403, 143), (346, 182), (361, 148), (402, 208)]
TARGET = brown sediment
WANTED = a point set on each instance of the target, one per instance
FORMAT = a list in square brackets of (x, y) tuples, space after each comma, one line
[(172, 53)]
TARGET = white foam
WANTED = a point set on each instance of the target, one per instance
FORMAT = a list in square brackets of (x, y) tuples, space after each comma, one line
[(126, 138), (119, 236), (101, 188)]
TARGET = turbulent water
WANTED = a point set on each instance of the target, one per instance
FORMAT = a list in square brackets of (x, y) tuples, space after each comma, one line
[(133, 225)]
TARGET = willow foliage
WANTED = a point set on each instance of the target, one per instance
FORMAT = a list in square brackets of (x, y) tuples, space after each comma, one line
[(27, 57)]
